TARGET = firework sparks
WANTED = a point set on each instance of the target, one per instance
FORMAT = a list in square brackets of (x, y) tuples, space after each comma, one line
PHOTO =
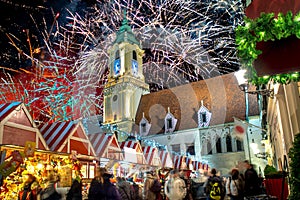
[(184, 41)]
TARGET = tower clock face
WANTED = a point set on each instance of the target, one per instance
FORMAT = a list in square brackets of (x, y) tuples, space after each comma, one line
[(117, 67), (134, 67)]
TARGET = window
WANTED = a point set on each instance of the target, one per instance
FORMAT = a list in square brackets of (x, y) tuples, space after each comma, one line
[(209, 148), (134, 57), (143, 125), (176, 148), (203, 117), (190, 149), (218, 145), (228, 143), (239, 145), (115, 117), (169, 123)]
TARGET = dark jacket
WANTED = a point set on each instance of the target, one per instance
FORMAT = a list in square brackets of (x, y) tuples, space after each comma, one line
[(75, 192), (49, 193), (125, 190), (251, 182), (105, 191)]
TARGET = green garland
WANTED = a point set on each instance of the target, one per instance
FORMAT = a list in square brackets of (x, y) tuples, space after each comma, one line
[(265, 28)]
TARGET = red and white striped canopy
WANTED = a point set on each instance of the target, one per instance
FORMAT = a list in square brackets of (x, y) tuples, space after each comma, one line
[(57, 133), (130, 144), (177, 160), (67, 137), (7, 108), (105, 145), (165, 158), (196, 165), (151, 155)]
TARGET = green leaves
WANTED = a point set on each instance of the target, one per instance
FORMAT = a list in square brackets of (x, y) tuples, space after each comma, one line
[(265, 28)]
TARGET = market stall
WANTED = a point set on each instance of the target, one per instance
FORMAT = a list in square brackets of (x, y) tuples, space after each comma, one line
[(69, 137), (134, 161), (107, 148), (16, 121), (166, 160), (151, 156)]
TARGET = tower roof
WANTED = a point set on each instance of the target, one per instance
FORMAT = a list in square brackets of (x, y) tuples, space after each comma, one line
[(125, 33)]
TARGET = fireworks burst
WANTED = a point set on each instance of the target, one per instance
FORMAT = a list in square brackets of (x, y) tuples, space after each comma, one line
[(184, 41)]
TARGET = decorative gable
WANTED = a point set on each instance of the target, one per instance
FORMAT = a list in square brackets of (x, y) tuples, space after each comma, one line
[(144, 126), (170, 122), (204, 116)]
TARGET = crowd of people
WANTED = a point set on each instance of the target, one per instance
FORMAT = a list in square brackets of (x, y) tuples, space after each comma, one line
[(176, 186)]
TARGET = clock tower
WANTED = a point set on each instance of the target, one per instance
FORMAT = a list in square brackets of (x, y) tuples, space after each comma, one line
[(126, 82)]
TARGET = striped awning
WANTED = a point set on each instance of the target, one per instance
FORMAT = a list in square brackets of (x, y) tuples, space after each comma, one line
[(105, 145), (130, 144), (7, 108), (177, 160), (135, 155), (151, 155), (57, 133), (196, 165), (165, 158)]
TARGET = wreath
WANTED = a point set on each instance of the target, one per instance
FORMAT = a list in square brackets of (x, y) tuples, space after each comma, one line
[(267, 27)]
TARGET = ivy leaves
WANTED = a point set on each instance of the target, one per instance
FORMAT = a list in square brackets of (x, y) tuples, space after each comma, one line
[(267, 27)]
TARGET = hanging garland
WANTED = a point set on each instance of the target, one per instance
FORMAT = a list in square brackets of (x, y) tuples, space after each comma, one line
[(265, 28)]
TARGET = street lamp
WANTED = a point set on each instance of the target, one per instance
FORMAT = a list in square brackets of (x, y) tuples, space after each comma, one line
[(244, 86)]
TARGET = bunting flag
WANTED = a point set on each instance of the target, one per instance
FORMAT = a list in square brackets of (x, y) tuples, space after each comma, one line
[(239, 129)]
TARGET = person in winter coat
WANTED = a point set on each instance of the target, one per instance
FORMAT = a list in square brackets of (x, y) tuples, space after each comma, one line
[(75, 192), (30, 188), (148, 181), (124, 189), (96, 184), (109, 190), (251, 180), (49, 192), (175, 188), (234, 186)]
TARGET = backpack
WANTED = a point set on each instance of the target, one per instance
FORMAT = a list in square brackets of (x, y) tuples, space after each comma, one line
[(216, 191), (156, 186)]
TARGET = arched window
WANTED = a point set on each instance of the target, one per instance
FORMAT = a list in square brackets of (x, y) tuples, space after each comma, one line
[(228, 143), (218, 145), (134, 57), (239, 145), (209, 147), (117, 56)]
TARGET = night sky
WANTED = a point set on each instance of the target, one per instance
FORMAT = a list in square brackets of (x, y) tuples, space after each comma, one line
[(53, 51)]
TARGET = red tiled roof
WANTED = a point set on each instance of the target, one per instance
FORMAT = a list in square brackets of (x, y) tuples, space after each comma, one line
[(221, 96)]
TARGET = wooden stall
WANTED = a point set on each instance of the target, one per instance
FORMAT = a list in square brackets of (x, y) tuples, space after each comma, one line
[(151, 156), (70, 137), (166, 160)]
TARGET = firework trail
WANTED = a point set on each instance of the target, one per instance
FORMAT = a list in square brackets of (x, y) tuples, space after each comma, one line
[(184, 41)]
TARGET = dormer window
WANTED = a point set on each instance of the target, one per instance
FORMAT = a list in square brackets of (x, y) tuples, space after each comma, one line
[(204, 116), (144, 126), (170, 122)]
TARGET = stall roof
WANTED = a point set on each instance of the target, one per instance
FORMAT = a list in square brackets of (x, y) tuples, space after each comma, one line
[(106, 146), (17, 126), (67, 137), (166, 160), (138, 158), (151, 155)]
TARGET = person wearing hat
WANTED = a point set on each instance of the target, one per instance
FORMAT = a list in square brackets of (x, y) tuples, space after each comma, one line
[(175, 187)]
